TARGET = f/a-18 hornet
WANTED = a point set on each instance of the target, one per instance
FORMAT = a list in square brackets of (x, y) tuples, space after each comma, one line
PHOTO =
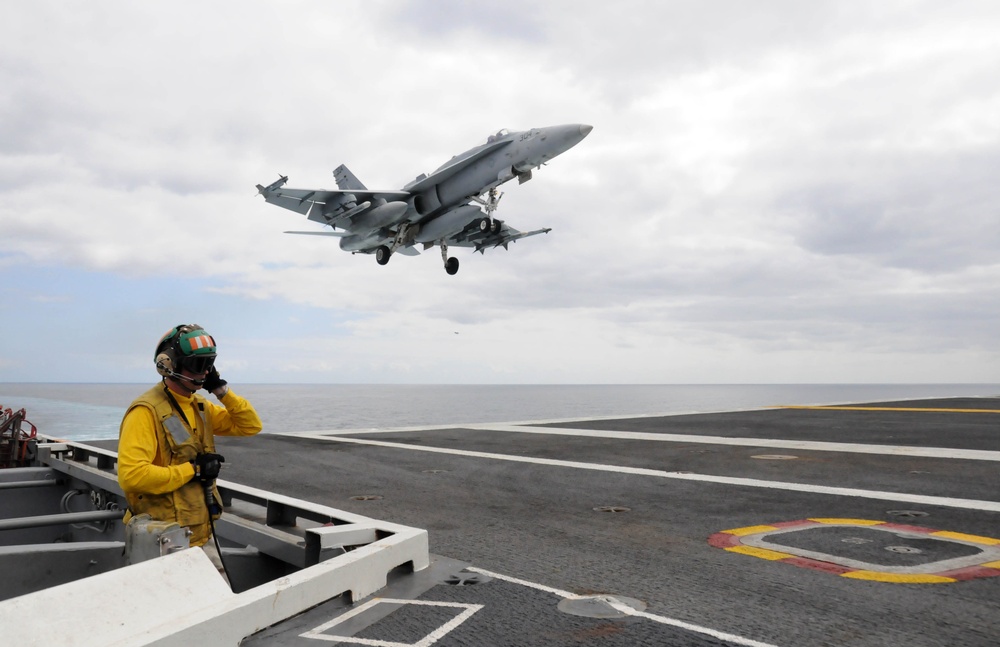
[(454, 205)]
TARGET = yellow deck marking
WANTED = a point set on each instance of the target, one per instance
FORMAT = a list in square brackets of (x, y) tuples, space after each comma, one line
[(925, 410), (762, 553), (850, 522), (947, 572), (990, 541), (750, 530), (898, 578)]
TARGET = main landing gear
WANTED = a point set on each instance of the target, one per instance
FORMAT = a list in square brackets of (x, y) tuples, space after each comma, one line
[(450, 264), (403, 238), (383, 253)]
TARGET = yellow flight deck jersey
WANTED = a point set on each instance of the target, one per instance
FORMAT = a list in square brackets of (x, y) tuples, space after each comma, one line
[(156, 447)]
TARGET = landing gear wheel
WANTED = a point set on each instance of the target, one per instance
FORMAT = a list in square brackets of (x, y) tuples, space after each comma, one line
[(485, 224), (451, 265), (495, 227), (382, 255)]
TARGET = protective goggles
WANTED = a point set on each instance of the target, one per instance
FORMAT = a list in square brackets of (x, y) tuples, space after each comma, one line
[(198, 363)]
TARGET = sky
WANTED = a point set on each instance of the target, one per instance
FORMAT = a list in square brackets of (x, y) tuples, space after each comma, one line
[(773, 192)]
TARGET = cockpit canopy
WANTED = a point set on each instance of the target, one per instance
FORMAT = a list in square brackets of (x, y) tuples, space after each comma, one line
[(503, 132)]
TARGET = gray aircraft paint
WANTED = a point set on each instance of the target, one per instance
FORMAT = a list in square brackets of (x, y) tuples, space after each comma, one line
[(441, 209)]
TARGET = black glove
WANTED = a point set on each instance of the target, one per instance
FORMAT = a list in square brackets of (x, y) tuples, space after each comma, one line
[(213, 381), (207, 467)]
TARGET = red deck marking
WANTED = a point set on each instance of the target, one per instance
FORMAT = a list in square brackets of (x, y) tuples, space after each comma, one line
[(735, 539)]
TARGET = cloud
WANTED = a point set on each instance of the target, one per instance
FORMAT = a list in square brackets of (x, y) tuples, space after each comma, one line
[(771, 191)]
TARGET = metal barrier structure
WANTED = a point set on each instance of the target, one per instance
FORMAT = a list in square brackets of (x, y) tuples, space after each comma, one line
[(284, 555)]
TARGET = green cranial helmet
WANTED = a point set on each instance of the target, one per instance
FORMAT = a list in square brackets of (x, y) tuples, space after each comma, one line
[(188, 347)]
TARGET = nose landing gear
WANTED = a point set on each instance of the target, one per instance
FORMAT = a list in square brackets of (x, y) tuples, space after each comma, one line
[(489, 224)]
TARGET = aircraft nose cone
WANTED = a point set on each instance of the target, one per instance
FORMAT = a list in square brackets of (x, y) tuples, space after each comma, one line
[(585, 130)]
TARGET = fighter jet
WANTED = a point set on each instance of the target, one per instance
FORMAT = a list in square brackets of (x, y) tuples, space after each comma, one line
[(454, 205)]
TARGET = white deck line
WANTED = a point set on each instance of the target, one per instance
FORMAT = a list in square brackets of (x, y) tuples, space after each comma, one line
[(968, 504), (627, 610), (543, 421), (770, 443)]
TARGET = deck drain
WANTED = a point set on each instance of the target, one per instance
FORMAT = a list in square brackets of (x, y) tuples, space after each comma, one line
[(465, 578), (612, 508), (905, 550), (775, 457), (601, 606), (906, 514), (367, 497)]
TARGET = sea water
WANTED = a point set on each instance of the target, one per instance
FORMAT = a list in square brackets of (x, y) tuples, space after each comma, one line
[(94, 411)]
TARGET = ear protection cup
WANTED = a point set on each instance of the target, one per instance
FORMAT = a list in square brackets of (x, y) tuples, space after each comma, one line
[(164, 364), (165, 357)]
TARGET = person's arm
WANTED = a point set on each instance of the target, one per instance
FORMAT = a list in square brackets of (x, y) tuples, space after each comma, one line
[(238, 418), (138, 455)]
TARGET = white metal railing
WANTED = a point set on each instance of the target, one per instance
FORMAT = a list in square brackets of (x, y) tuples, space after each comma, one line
[(180, 598)]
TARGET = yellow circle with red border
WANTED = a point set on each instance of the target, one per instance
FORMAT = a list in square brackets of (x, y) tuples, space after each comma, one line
[(747, 541)]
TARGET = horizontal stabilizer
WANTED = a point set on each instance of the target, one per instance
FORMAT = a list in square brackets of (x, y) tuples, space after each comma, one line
[(273, 186), (339, 234), (302, 200)]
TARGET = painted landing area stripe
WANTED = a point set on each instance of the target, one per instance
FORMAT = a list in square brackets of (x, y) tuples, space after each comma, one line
[(774, 443), (627, 610), (968, 504)]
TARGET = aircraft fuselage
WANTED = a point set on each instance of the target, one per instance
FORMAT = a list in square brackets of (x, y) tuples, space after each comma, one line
[(522, 152)]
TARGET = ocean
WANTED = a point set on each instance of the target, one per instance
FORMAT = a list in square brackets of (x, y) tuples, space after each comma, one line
[(94, 411)]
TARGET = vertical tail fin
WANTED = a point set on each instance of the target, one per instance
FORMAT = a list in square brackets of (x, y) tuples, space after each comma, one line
[(346, 180)]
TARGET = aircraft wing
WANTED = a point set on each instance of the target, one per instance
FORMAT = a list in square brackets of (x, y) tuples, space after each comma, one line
[(405, 251), (506, 236), (471, 236), (330, 203)]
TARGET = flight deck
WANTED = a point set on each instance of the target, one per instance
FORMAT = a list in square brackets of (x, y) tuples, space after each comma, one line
[(874, 524)]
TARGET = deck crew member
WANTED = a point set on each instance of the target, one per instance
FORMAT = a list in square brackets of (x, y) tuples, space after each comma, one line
[(166, 444)]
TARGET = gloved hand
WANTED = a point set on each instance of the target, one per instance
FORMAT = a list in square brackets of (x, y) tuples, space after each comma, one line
[(207, 467), (214, 382)]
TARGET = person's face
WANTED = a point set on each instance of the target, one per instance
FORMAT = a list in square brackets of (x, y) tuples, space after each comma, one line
[(192, 375), (197, 365)]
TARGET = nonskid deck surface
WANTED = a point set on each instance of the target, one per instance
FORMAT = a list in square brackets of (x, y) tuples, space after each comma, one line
[(872, 524)]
